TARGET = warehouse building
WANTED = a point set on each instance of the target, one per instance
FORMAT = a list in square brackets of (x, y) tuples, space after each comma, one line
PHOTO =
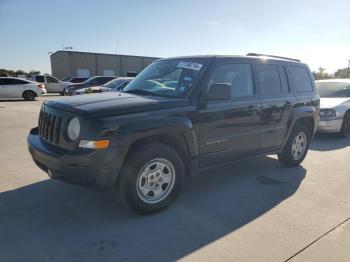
[(83, 64)]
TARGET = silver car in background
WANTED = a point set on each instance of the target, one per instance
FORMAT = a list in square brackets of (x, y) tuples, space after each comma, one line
[(14, 87), (335, 106)]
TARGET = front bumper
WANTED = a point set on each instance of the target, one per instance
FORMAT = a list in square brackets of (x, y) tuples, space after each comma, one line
[(93, 168), (330, 125)]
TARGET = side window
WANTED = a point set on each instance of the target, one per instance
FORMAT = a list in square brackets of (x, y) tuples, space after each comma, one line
[(101, 80), (269, 80), (2, 81), (11, 81), (238, 76), (301, 79), (51, 79), (39, 79)]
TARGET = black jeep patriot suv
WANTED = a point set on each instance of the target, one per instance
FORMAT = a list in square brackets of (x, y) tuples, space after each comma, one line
[(177, 117)]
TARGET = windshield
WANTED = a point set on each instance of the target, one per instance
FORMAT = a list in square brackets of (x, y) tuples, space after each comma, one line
[(333, 89), (88, 81), (168, 78), (113, 83)]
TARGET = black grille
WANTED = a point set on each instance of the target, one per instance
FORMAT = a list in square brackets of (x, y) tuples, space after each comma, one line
[(50, 127)]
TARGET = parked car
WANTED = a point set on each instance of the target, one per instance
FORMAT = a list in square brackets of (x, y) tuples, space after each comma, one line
[(93, 81), (335, 106), (14, 87), (146, 139), (52, 84), (114, 85), (75, 80)]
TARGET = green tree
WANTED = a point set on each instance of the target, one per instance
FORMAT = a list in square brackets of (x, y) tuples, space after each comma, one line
[(322, 74), (34, 72), (342, 73)]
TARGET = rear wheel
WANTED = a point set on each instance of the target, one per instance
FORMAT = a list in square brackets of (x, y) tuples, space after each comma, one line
[(151, 178), (29, 95), (297, 146), (345, 128)]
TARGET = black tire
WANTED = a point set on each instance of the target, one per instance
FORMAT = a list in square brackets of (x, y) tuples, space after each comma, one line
[(143, 158), (29, 95), (61, 93), (293, 157), (345, 128)]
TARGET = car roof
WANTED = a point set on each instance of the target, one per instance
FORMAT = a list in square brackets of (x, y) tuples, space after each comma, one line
[(17, 78), (341, 80), (250, 57)]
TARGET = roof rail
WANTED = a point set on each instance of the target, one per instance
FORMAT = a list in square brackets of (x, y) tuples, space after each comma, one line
[(274, 56)]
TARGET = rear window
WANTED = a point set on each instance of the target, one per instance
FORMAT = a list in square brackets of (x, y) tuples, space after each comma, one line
[(301, 79)]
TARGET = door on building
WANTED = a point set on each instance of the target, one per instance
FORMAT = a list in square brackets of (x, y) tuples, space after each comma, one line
[(83, 73), (108, 72)]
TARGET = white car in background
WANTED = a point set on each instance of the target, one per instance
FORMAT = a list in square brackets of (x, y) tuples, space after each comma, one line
[(52, 84), (335, 106), (14, 87)]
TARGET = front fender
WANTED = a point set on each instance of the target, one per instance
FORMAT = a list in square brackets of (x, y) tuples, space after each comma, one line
[(128, 133)]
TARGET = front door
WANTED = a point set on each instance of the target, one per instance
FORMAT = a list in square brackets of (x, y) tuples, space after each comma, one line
[(230, 129), (53, 85)]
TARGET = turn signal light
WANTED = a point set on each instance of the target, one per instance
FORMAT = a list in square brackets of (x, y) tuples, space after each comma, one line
[(99, 144)]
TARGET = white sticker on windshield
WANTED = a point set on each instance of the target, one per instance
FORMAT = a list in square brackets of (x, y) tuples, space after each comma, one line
[(190, 65)]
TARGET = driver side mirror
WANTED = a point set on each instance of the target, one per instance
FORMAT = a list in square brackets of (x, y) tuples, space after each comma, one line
[(219, 91)]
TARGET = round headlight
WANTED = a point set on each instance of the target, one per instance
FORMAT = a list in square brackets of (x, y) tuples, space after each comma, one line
[(73, 128)]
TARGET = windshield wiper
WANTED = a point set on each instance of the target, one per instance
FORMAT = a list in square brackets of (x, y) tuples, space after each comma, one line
[(141, 92)]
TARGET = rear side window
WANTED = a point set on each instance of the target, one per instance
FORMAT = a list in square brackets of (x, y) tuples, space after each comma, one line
[(301, 79), (238, 76), (51, 79), (269, 80), (39, 79)]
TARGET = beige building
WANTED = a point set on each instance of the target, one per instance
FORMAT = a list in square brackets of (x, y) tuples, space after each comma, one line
[(83, 64)]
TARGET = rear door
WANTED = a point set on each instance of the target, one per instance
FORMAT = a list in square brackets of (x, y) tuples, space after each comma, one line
[(229, 129), (277, 104)]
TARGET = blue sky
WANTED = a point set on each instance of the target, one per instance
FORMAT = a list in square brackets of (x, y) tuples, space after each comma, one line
[(317, 32)]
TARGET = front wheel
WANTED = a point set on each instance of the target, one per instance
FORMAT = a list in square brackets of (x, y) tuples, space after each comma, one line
[(345, 128), (296, 147), (151, 178)]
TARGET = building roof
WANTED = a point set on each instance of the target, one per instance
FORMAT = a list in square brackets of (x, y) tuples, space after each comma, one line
[(80, 52)]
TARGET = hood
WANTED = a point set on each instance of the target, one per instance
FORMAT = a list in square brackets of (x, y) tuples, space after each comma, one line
[(333, 102), (107, 104)]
